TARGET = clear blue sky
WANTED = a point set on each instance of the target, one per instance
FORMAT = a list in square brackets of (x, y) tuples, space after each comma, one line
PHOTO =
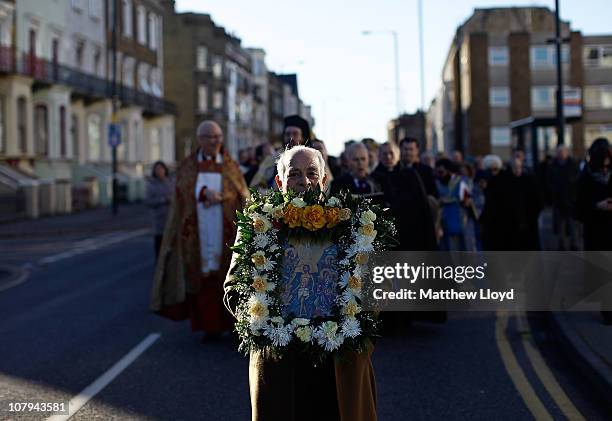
[(348, 78)]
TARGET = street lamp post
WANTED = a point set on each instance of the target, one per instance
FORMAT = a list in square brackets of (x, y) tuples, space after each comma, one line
[(396, 59), (558, 44), (115, 203)]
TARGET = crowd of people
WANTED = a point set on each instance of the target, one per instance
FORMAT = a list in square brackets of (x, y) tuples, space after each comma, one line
[(438, 203), (442, 202)]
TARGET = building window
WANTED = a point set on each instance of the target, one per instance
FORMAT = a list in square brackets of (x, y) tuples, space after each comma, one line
[(598, 56), (156, 82), (546, 56), (62, 133), (141, 19), (94, 136), (593, 131), (218, 100), (597, 97), (201, 57), (500, 136), (498, 56), (542, 97), (143, 78), (41, 129), (202, 98), (96, 62), (95, 9), (128, 72), (74, 135), (152, 31), (499, 96), (217, 67), (127, 19), (22, 119), (79, 54), (155, 145)]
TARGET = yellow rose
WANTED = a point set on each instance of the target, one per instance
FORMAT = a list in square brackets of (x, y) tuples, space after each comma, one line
[(261, 224), (259, 284), (258, 259), (313, 217), (277, 212), (367, 229), (354, 282), (258, 310), (345, 214), (351, 309), (333, 217), (293, 216), (361, 258)]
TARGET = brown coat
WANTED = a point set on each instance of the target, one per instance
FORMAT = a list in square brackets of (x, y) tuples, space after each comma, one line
[(354, 380)]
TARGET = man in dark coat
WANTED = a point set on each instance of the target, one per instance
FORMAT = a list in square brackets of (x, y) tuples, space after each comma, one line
[(562, 177), (410, 157), (406, 196)]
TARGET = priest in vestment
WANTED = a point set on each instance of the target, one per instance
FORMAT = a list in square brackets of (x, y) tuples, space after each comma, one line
[(195, 254)]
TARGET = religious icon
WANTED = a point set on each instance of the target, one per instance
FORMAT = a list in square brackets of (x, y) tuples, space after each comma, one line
[(309, 278)]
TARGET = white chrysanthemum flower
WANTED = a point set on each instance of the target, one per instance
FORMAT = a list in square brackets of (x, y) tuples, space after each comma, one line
[(298, 202), (299, 321), (365, 243), (278, 320), (261, 240), (351, 328), (279, 335), (255, 326), (367, 217), (333, 202), (273, 248), (304, 333), (258, 307), (268, 207), (351, 309), (327, 336)]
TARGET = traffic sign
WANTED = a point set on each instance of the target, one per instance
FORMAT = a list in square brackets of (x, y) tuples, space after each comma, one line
[(114, 135)]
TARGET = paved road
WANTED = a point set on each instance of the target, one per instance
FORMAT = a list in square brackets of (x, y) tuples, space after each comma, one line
[(75, 317)]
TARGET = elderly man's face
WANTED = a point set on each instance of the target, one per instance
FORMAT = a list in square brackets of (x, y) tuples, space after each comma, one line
[(293, 136), (388, 156), (210, 139), (303, 173), (359, 163)]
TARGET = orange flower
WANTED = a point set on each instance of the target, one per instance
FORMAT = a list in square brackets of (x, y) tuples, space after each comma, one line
[(292, 216), (333, 217), (313, 217)]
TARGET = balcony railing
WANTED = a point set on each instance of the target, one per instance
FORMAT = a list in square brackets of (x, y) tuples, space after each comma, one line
[(49, 72)]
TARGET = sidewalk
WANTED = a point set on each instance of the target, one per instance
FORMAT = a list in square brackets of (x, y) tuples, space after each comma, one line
[(582, 335), (99, 220)]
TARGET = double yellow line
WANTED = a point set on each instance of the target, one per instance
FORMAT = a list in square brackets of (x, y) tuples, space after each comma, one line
[(518, 376)]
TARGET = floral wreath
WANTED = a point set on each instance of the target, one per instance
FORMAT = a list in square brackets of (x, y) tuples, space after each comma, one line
[(357, 228)]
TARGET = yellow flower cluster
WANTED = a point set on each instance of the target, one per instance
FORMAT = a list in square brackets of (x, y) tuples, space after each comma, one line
[(314, 217)]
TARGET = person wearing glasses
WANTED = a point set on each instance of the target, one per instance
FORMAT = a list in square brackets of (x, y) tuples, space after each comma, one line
[(194, 255)]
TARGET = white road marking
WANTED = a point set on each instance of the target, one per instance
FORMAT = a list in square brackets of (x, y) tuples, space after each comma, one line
[(104, 380)]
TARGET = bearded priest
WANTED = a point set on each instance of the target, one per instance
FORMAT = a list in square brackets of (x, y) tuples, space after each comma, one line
[(195, 254), (289, 388)]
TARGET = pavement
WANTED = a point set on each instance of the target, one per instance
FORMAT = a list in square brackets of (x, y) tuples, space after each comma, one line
[(581, 335)]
